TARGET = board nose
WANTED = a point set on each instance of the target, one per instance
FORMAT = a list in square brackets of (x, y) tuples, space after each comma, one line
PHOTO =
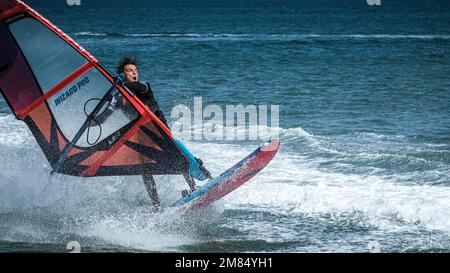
[(270, 146)]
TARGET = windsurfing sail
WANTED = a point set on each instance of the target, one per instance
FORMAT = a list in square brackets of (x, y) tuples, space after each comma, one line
[(54, 85)]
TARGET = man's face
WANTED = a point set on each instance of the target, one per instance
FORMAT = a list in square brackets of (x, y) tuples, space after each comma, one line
[(131, 73)]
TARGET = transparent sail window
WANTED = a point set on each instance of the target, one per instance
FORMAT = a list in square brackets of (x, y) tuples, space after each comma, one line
[(50, 57), (71, 105)]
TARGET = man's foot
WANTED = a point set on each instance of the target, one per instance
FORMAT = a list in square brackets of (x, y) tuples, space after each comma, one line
[(186, 192), (157, 208)]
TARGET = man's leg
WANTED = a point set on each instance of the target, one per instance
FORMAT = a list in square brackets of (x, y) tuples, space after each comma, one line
[(190, 181), (150, 185)]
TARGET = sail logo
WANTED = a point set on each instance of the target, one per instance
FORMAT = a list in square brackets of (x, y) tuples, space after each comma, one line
[(374, 2), (71, 91), (74, 2)]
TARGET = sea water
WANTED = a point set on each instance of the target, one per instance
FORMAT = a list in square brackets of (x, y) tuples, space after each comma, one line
[(364, 123)]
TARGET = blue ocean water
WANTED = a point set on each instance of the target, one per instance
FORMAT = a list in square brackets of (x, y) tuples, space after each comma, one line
[(364, 97)]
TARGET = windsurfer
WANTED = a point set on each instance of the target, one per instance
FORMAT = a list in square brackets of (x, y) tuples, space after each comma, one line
[(143, 91)]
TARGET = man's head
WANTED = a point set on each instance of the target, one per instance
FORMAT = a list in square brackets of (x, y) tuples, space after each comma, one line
[(128, 66)]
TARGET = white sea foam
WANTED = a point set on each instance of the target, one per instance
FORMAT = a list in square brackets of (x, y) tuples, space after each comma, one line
[(116, 209), (273, 37)]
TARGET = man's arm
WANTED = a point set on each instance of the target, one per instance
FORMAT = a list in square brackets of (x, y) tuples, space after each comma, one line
[(155, 107), (112, 105), (145, 93)]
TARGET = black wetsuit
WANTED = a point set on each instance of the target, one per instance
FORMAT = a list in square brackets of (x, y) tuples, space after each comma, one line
[(144, 92)]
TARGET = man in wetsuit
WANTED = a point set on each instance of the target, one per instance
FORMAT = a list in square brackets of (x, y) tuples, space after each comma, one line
[(143, 91)]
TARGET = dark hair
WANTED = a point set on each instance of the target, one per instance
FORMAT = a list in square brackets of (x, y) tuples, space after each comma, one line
[(125, 61)]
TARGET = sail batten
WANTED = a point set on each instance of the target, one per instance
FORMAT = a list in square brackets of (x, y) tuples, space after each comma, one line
[(55, 89)]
